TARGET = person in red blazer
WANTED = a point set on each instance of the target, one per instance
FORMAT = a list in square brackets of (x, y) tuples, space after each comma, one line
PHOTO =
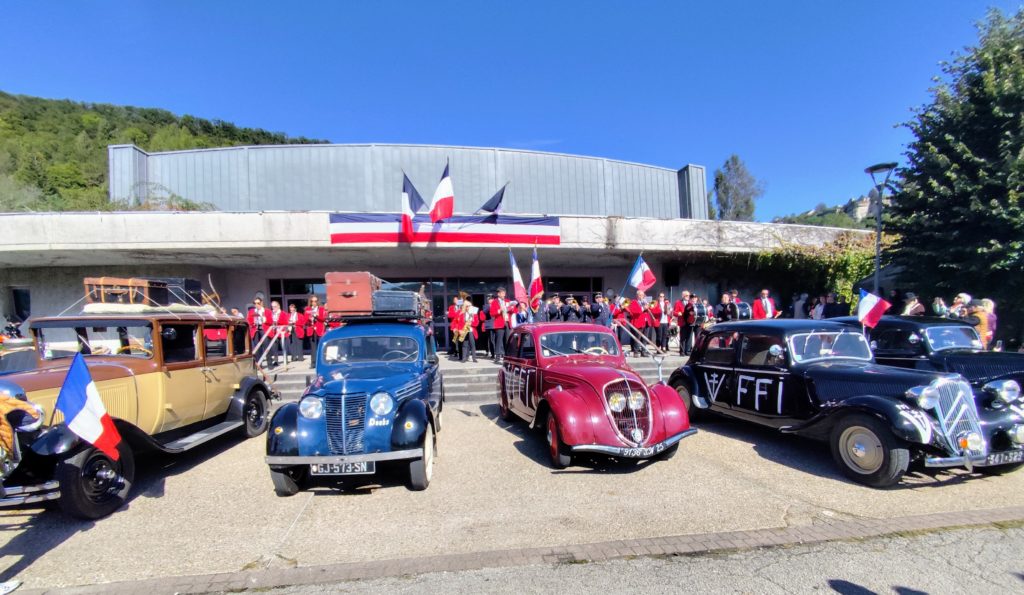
[(620, 316), (259, 321), (315, 315), (278, 319), (295, 332), (641, 316), (453, 311), (686, 318), (501, 310), (463, 319), (764, 307)]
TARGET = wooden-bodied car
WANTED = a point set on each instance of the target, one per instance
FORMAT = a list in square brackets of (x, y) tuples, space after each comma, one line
[(170, 381), (573, 381)]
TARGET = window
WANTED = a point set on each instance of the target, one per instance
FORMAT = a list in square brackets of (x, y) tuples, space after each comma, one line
[(132, 341), (720, 349), (897, 340), (371, 349), (240, 339), (527, 350), (215, 341), (578, 342), (22, 299), (756, 350), (179, 343), (808, 347), (512, 348)]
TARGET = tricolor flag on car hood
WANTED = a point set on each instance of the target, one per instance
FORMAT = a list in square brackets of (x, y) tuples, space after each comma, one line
[(443, 204), (641, 276), (870, 308), (84, 413)]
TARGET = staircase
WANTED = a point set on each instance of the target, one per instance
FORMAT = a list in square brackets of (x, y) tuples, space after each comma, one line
[(462, 382)]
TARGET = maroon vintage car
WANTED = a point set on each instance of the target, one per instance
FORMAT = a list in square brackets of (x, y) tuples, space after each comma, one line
[(573, 378)]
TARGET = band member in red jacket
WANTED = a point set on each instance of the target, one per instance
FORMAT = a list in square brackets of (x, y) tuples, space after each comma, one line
[(453, 312), (277, 319), (466, 321), (316, 316), (686, 318), (764, 307), (662, 321), (620, 316), (501, 311), (295, 332), (259, 323), (642, 316)]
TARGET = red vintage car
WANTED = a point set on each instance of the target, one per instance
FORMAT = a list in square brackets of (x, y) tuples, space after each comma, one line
[(573, 378)]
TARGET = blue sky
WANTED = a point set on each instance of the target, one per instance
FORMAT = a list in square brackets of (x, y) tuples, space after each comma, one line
[(806, 93)]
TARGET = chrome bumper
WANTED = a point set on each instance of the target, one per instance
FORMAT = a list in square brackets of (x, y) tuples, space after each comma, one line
[(18, 495), (972, 461), (640, 452), (395, 455)]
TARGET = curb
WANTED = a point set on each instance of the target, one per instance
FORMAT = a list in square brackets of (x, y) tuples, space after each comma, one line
[(678, 545)]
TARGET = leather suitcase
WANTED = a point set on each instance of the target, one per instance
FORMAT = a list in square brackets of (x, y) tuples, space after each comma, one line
[(182, 290), (397, 302), (351, 293), (119, 290)]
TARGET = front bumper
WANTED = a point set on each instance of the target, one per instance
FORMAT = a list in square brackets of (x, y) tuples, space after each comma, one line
[(640, 452), (18, 495), (1007, 457), (395, 455)]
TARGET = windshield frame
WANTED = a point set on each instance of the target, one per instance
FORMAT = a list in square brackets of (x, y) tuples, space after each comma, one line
[(975, 342), (419, 354), (793, 352), (72, 325), (541, 348)]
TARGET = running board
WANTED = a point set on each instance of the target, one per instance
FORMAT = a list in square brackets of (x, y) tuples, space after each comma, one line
[(202, 437)]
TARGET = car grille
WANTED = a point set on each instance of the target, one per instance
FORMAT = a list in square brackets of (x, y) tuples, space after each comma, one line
[(974, 370), (629, 420), (957, 413), (346, 421)]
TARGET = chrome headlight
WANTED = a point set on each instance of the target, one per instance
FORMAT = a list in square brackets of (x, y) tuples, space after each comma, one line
[(1006, 391), (971, 441), (636, 401), (311, 407), (381, 403), (1017, 434), (926, 397), (617, 402)]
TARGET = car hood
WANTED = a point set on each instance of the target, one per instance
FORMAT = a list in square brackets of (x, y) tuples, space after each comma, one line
[(981, 366), (839, 380), (366, 378), (593, 371)]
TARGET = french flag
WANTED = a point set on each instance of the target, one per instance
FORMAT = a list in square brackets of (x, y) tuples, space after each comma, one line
[(443, 204), (870, 308), (84, 414), (536, 283), (411, 203), (517, 279), (641, 276)]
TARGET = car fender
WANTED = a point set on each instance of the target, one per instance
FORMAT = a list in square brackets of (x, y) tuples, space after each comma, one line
[(573, 413), (685, 376), (907, 423), (236, 410), (673, 414), (60, 441), (282, 437), (410, 423)]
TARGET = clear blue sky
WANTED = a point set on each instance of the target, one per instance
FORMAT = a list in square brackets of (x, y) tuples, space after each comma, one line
[(806, 93)]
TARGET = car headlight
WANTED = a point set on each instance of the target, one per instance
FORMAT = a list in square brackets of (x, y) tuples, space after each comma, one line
[(311, 407), (381, 403), (636, 401), (1017, 434), (1006, 391), (971, 441), (617, 402), (927, 397)]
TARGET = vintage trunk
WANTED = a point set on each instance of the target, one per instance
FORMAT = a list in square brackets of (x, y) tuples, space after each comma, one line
[(351, 293), (117, 290)]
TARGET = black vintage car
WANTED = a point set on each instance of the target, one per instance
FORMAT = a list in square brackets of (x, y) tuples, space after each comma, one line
[(819, 379), (945, 345)]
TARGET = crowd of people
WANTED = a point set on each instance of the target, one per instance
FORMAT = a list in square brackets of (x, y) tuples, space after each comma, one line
[(277, 334)]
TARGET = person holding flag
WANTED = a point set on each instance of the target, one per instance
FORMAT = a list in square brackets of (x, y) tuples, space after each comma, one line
[(641, 277)]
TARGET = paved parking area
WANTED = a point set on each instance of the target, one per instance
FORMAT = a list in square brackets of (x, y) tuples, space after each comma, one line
[(215, 511)]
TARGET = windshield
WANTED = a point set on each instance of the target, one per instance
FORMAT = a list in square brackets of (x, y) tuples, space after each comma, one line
[(952, 337), (371, 349), (573, 342), (808, 347), (131, 341), (17, 359)]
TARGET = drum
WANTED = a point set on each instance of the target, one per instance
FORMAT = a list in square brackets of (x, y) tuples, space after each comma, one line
[(744, 310), (702, 314)]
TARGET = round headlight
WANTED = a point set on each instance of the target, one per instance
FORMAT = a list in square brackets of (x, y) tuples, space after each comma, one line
[(928, 398), (1006, 391), (311, 407), (636, 401), (971, 441), (381, 403), (617, 402), (1017, 434)]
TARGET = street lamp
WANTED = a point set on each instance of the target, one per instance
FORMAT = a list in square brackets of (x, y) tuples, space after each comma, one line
[(879, 169)]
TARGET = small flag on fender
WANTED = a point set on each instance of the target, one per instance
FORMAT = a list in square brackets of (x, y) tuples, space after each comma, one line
[(83, 410)]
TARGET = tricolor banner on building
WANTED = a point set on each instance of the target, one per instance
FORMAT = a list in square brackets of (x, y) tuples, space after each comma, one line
[(83, 410), (870, 308), (386, 228)]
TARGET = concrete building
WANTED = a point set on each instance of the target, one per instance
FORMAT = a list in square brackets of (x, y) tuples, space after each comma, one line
[(270, 232)]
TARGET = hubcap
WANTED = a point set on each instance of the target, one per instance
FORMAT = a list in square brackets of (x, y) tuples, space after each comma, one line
[(254, 412), (861, 450), (100, 478)]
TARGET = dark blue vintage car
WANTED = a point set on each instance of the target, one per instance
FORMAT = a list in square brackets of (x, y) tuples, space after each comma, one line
[(377, 399), (818, 378)]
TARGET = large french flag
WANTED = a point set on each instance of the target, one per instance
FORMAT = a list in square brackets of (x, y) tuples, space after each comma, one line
[(870, 308), (443, 205), (536, 283), (84, 413), (411, 203), (517, 280), (641, 276), (386, 228)]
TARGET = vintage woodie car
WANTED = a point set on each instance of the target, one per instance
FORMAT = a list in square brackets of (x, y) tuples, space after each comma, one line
[(819, 379), (170, 381), (572, 380), (377, 399), (928, 343)]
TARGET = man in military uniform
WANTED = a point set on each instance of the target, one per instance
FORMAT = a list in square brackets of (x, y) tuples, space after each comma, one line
[(600, 311)]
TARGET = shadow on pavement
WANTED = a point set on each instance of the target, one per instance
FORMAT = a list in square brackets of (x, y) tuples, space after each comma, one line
[(35, 535)]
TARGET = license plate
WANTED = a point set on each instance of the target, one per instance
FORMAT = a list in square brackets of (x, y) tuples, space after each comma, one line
[(361, 468), (1002, 458), (646, 451)]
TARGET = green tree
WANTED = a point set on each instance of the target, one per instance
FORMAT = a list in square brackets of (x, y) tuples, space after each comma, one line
[(957, 211), (736, 190)]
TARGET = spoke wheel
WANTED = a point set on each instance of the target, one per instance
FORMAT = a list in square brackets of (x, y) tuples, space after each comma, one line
[(868, 452), (93, 485), (555, 449)]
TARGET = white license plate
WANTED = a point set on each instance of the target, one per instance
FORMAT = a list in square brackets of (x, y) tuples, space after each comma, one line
[(361, 468), (646, 451), (1002, 458)]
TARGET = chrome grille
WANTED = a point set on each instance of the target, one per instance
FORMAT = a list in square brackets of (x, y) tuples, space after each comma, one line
[(629, 420), (346, 421), (957, 413), (407, 390), (974, 370)]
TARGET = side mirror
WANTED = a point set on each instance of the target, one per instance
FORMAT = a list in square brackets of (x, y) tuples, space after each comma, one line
[(775, 351), (660, 360), (914, 339)]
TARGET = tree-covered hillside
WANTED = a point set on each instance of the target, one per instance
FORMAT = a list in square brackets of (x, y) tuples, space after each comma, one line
[(852, 215), (53, 153)]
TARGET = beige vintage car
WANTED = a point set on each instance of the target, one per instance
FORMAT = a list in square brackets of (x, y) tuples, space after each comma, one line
[(170, 380)]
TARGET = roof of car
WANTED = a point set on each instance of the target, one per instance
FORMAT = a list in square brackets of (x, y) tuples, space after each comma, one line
[(907, 321), (785, 325), (163, 317)]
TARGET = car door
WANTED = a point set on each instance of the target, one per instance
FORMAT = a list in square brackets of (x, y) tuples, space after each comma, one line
[(714, 369), (762, 391), (183, 380), (222, 370), (901, 347), (512, 373), (432, 368), (530, 375)]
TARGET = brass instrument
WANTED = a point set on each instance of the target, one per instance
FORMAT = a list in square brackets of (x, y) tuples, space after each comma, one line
[(467, 327)]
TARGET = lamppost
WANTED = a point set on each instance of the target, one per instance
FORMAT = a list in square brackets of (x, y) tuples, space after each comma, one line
[(879, 169)]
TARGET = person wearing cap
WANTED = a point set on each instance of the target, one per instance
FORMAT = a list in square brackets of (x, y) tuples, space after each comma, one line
[(600, 312), (911, 305), (978, 318)]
